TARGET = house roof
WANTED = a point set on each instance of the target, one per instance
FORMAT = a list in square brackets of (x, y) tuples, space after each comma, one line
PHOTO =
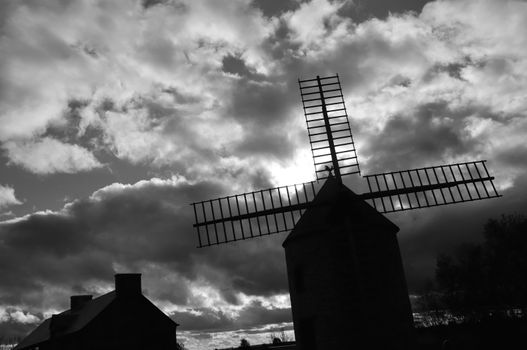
[(79, 320), (333, 204)]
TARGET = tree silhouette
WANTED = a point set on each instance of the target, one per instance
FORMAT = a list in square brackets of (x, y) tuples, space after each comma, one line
[(180, 346), (277, 341), (490, 275), (245, 343)]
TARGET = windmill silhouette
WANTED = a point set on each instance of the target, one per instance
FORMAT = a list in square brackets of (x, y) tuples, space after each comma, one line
[(346, 279)]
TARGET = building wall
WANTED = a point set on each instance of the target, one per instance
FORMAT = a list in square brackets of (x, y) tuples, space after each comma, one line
[(348, 289), (132, 323)]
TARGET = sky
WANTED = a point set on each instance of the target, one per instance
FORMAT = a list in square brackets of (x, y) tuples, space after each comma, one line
[(116, 115)]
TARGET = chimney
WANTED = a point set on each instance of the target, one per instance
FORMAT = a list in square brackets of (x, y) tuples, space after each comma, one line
[(78, 301), (128, 284)]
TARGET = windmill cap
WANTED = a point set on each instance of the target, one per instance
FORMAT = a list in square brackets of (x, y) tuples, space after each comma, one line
[(334, 205)]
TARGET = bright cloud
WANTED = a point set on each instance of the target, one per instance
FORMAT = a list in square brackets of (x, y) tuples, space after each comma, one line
[(48, 156), (7, 197), (151, 81), (24, 318)]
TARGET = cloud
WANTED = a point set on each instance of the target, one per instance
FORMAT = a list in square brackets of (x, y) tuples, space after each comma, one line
[(160, 92), (428, 135), (122, 71), (273, 8), (250, 315), (47, 155), (314, 22), (7, 197), (24, 318), (143, 227)]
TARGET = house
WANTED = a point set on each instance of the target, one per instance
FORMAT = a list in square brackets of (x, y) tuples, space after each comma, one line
[(121, 319), (346, 278)]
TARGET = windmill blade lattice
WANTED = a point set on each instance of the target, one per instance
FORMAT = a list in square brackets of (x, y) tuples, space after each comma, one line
[(274, 210), (252, 214), (328, 127), (430, 186)]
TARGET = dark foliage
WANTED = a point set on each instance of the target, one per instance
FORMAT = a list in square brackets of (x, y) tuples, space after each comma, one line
[(488, 334), (490, 277)]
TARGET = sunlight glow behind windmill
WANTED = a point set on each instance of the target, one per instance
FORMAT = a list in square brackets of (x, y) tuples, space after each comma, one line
[(274, 210)]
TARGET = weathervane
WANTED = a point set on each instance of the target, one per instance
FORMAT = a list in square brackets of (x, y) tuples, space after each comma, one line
[(274, 210)]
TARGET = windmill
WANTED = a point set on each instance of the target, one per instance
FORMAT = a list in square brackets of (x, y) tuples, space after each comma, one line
[(346, 279)]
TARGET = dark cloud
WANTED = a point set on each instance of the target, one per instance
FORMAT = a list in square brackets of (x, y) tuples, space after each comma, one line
[(181, 97), (236, 65), (149, 3), (205, 320), (263, 103), (80, 236), (57, 236), (147, 224), (361, 10), (273, 329), (241, 262), (252, 315), (270, 142), (5, 8), (513, 157), (264, 108), (274, 8), (70, 129), (420, 138), (453, 69), (256, 315)]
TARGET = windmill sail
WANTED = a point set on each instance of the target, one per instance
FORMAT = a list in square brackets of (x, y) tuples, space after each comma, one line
[(430, 186), (328, 127), (252, 214), (274, 210)]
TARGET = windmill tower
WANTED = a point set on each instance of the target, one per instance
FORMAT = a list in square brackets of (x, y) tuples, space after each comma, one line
[(346, 279)]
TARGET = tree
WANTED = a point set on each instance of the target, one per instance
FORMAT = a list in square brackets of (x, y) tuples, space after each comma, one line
[(506, 246), (180, 346), (487, 276), (245, 343), (276, 341), (279, 338)]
